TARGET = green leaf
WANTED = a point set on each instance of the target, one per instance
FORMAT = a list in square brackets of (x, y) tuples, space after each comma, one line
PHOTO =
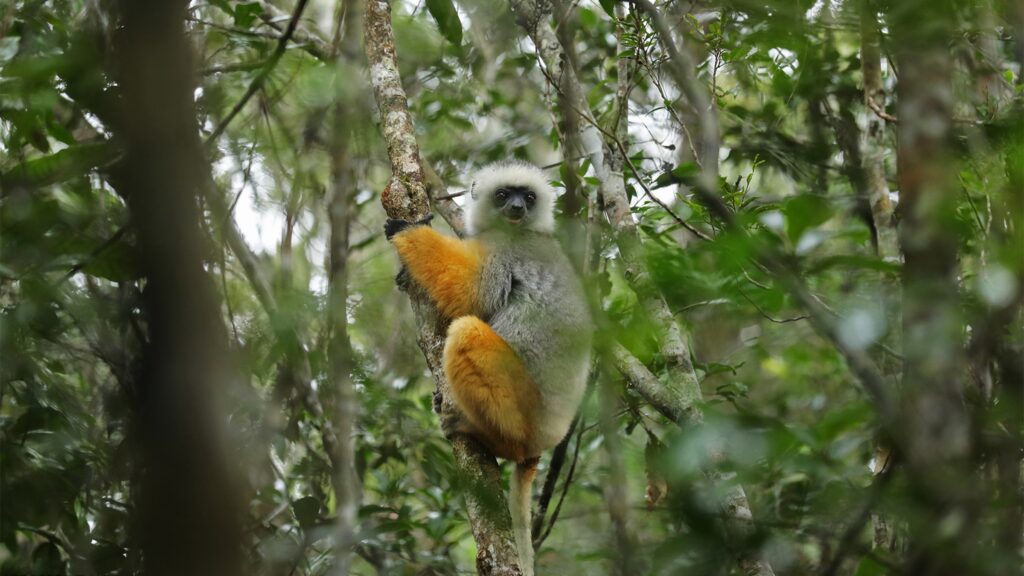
[(868, 567), (609, 7), (447, 19), (59, 166), (684, 174), (46, 559), (804, 212), (685, 171), (587, 18), (223, 5), (247, 13), (119, 263)]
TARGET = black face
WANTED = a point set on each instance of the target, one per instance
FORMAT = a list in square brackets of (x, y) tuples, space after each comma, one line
[(514, 202)]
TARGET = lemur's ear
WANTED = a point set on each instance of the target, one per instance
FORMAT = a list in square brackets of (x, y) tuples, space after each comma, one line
[(472, 190)]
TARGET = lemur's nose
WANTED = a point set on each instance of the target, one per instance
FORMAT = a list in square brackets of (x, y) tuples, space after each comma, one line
[(516, 205)]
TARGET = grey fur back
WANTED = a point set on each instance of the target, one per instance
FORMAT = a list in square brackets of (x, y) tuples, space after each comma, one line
[(534, 300)]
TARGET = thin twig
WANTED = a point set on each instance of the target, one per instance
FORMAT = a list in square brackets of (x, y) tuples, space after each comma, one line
[(452, 195), (621, 148), (880, 112), (224, 289), (632, 167), (849, 537), (682, 66), (235, 30), (245, 181), (114, 238), (893, 119), (309, 40), (896, 355), (974, 209), (768, 316), (755, 282), (703, 303), (236, 67)]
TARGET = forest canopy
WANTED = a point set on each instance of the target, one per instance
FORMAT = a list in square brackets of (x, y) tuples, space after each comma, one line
[(798, 224)]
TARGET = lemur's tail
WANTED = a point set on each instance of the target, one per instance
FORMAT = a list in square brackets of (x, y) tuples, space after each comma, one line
[(520, 499)]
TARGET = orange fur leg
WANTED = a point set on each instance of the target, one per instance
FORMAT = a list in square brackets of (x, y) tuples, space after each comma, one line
[(491, 386), (448, 268)]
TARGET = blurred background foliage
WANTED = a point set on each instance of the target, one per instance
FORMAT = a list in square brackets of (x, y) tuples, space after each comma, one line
[(787, 414)]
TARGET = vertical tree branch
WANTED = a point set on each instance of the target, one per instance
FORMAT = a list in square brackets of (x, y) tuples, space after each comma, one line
[(994, 90), (188, 511), (405, 197), (936, 420), (873, 144), (875, 191), (625, 562), (1016, 17), (232, 236), (339, 348), (935, 424)]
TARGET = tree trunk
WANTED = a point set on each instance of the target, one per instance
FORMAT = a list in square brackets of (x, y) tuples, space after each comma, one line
[(339, 348), (934, 425), (187, 518)]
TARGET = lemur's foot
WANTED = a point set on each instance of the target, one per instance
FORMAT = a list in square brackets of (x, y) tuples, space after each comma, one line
[(438, 401), (454, 422), (403, 280)]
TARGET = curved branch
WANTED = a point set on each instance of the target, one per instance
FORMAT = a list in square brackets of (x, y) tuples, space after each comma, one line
[(879, 111)]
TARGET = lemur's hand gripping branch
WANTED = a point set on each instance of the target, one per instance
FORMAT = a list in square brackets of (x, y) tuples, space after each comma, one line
[(394, 226)]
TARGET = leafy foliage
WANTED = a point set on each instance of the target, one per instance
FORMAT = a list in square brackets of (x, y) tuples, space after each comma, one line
[(782, 407)]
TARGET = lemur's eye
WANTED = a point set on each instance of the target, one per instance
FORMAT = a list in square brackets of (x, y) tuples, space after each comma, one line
[(531, 197), (501, 194)]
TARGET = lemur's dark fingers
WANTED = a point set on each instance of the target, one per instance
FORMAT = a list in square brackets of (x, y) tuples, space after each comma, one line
[(395, 225)]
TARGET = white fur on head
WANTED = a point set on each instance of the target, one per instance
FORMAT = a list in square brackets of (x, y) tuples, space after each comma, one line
[(480, 212)]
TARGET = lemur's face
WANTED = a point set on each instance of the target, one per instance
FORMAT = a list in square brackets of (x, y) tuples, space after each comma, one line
[(514, 203)]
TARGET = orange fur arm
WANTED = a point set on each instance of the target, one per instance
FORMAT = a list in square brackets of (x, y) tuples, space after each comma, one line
[(448, 268)]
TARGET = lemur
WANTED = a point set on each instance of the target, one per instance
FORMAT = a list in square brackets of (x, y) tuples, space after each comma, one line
[(517, 352)]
